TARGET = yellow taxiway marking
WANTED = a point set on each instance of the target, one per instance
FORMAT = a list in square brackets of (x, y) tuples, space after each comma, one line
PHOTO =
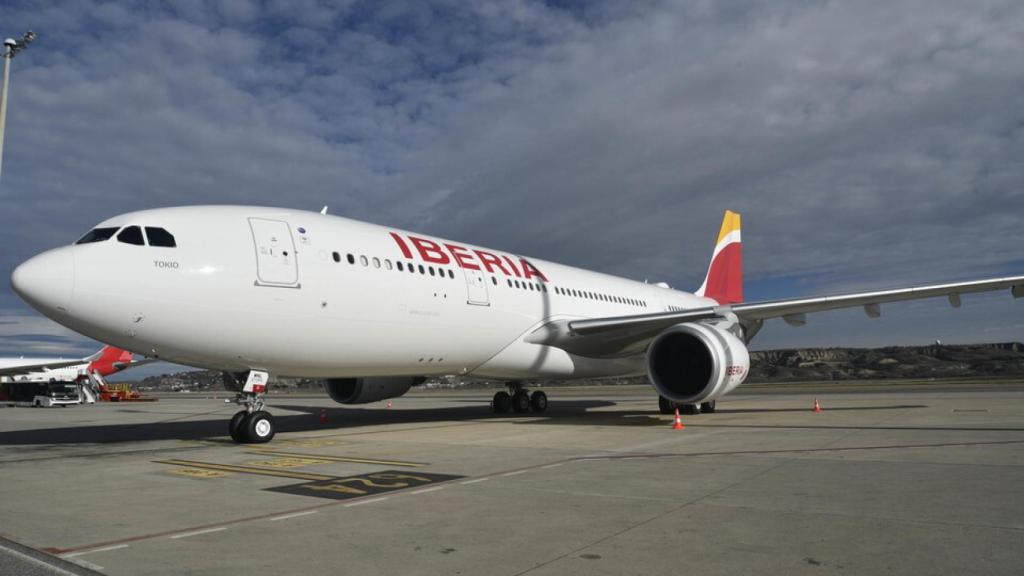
[(247, 470), (288, 462), (340, 458), (311, 442), (199, 473)]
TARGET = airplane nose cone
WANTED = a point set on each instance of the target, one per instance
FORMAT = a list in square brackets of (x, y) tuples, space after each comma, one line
[(46, 281)]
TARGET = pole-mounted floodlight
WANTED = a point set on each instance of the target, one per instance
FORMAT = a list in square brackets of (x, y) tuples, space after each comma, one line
[(11, 48)]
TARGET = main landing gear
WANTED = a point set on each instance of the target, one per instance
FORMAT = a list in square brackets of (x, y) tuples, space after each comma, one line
[(667, 406), (253, 425), (519, 399)]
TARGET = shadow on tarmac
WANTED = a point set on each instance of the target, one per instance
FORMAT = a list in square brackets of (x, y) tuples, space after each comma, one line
[(562, 412), (216, 424)]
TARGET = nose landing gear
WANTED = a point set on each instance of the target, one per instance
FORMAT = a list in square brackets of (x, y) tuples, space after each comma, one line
[(253, 425), (519, 399)]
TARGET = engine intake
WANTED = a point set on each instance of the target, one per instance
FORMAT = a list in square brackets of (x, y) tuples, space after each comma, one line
[(366, 390), (691, 363)]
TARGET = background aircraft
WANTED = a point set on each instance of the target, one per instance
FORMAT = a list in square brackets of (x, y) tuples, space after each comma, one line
[(257, 291), (108, 360)]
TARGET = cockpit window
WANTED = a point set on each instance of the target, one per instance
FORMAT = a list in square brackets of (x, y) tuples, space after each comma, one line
[(131, 235), (160, 237), (97, 235)]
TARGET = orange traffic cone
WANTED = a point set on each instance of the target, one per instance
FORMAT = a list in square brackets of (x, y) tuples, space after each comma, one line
[(817, 407), (389, 403), (323, 416), (678, 424)]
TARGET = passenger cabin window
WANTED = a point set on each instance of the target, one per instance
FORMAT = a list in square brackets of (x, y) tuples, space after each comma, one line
[(159, 237), (97, 235), (131, 235)]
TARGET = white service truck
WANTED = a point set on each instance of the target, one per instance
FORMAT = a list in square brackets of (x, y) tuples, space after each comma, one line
[(40, 394)]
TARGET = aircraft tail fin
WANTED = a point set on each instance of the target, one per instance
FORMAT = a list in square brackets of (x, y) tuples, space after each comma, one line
[(109, 360), (724, 280)]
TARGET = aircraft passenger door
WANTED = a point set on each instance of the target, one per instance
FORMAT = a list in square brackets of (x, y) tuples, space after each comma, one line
[(276, 263), (476, 286)]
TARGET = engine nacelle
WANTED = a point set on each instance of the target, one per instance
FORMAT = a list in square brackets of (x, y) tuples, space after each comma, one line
[(366, 390), (692, 363)]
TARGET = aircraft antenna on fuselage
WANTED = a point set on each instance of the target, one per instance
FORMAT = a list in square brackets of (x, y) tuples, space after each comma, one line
[(323, 210)]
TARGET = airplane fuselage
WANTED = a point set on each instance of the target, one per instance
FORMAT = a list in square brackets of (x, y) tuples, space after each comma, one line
[(303, 294)]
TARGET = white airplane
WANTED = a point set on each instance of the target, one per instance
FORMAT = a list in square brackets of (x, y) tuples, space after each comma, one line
[(108, 360), (256, 291)]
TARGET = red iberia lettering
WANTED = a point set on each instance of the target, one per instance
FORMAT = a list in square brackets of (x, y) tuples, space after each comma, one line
[(512, 266), (429, 250), (488, 259), (468, 258), (529, 271), (462, 258), (401, 245)]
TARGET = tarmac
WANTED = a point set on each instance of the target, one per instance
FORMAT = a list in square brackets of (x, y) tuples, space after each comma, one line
[(897, 480)]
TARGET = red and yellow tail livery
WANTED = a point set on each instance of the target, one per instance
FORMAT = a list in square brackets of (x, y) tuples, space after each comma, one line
[(724, 281)]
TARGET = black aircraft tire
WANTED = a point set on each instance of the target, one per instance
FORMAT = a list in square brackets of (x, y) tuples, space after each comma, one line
[(236, 427), (708, 407), (690, 409), (259, 427), (521, 402), (502, 402), (666, 406), (539, 401)]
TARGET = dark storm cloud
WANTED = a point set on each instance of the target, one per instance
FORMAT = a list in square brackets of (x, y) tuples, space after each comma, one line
[(866, 143)]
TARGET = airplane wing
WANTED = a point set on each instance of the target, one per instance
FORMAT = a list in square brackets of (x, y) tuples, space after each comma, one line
[(625, 335), (37, 365), (27, 365)]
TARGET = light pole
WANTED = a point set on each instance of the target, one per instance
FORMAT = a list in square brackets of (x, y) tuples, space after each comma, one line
[(11, 47)]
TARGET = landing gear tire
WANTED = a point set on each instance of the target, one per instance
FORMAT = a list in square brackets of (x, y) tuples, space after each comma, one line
[(521, 401), (501, 403), (539, 401), (708, 407), (690, 409), (666, 406), (259, 427), (236, 428)]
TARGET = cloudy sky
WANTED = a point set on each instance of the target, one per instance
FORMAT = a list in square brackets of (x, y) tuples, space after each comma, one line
[(868, 144)]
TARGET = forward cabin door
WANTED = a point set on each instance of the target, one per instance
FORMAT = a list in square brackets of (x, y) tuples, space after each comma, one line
[(276, 264), (476, 286)]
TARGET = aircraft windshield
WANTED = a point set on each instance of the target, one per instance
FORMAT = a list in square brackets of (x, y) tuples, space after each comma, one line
[(160, 237), (97, 235)]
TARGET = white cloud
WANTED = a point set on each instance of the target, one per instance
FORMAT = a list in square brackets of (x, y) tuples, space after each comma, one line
[(871, 143)]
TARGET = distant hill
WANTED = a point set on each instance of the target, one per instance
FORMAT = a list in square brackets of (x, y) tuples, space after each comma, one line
[(1004, 360), (819, 364)]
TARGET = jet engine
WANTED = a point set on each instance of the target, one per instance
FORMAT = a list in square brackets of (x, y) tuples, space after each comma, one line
[(693, 362), (366, 390)]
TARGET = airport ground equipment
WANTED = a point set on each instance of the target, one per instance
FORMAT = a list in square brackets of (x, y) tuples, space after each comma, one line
[(39, 394), (121, 392)]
